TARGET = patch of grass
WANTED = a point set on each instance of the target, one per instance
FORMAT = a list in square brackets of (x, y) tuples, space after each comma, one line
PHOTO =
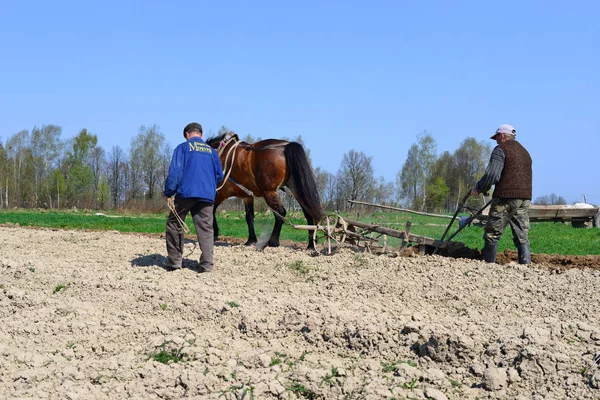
[(70, 345), (233, 304), (166, 356), (163, 306), (302, 391), (32, 269), (304, 354), (330, 378), (360, 261), (59, 288), (391, 366), (410, 385), (240, 390), (299, 267), (275, 361), (453, 382)]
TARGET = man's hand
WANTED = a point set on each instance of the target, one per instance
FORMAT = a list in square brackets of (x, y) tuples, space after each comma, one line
[(170, 202), (474, 191)]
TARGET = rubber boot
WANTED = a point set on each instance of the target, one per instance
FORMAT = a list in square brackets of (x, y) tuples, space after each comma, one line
[(489, 252), (524, 251)]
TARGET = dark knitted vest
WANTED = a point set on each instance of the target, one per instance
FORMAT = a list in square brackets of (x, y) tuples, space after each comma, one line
[(515, 182)]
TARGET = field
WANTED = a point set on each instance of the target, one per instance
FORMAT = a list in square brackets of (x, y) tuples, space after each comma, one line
[(87, 312), (546, 238)]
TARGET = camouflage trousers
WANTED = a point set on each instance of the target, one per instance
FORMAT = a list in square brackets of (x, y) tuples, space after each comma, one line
[(513, 212)]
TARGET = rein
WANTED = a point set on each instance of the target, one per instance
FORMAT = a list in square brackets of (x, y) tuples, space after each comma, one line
[(228, 165), (171, 204)]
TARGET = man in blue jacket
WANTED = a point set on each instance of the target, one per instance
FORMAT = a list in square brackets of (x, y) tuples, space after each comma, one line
[(194, 173)]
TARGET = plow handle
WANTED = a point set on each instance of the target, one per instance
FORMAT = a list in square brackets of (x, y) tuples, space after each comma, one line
[(462, 203), (471, 218)]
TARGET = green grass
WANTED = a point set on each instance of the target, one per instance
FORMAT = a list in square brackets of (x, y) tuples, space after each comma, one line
[(545, 237), (166, 355)]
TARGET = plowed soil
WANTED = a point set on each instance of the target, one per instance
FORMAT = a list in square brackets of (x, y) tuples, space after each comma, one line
[(94, 315)]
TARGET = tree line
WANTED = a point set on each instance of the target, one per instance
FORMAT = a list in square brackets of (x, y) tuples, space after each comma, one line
[(39, 169)]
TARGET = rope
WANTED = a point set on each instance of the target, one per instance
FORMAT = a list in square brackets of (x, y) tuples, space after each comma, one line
[(171, 204), (228, 165)]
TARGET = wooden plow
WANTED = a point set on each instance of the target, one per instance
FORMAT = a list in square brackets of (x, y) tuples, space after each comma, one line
[(334, 232)]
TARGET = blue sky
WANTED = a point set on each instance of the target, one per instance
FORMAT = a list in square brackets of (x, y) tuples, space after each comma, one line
[(368, 76)]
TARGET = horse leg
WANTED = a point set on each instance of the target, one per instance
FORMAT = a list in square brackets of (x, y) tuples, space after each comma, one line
[(272, 200), (215, 224), (218, 200), (249, 208), (309, 221)]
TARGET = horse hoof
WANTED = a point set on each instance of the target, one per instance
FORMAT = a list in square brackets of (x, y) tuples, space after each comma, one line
[(272, 244), (250, 243)]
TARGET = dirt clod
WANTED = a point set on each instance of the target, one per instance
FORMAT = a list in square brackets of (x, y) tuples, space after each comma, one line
[(86, 315)]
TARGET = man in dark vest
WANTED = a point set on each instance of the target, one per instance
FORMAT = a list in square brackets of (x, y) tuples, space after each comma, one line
[(510, 171)]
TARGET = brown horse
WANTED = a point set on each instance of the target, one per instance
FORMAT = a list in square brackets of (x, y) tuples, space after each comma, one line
[(260, 170)]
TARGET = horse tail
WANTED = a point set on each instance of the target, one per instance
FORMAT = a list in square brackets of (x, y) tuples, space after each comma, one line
[(305, 183)]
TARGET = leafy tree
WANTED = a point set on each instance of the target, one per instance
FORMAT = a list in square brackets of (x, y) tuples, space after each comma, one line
[(412, 179), (471, 160), (437, 194), (445, 169), (103, 193), (46, 147), (58, 187), (79, 172)]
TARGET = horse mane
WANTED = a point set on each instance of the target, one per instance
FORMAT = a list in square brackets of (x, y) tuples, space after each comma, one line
[(214, 141)]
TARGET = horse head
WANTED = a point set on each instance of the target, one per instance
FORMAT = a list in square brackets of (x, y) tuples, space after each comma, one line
[(222, 140)]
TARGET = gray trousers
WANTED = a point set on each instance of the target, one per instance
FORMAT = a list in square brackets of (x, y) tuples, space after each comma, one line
[(202, 215), (513, 212)]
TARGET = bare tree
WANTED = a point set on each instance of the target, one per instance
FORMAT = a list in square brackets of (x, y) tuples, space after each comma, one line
[(98, 164), (16, 150), (116, 175), (355, 179), (550, 200), (147, 156), (383, 192), (3, 175)]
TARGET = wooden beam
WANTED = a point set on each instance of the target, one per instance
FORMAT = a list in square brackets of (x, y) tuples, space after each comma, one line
[(399, 209), (398, 234)]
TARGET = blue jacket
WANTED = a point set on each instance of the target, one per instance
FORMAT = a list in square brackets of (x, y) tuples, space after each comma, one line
[(194, 172)]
